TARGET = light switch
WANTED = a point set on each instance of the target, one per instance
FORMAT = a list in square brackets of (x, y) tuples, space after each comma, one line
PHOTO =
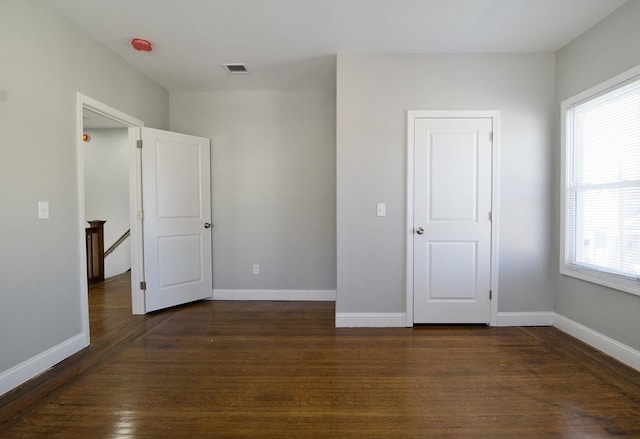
[(381, 209), (43, 210)]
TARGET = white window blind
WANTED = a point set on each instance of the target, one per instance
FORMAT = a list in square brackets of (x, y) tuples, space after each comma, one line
[(603, 185)]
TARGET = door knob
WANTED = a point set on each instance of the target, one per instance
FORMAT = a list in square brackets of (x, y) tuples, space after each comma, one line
[(207, 225), (419, 230)]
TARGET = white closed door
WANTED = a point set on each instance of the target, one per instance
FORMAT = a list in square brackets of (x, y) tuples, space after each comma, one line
[(176, 175), (452, 220)]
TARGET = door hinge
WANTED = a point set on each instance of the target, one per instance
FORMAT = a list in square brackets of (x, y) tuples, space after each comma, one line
[(490, 136), (140, 215), (490, 294), (139, 143), (143, 285), (490, 216)]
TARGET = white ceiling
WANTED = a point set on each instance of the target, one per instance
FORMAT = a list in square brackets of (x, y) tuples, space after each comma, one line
[(291, 44)]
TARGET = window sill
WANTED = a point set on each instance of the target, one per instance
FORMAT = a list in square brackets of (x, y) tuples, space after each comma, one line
[(610, 281)]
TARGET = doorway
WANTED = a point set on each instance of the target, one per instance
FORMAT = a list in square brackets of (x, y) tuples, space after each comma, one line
[(101, 116), (452, 217), (106, 192), (106, 201), (177, 234)]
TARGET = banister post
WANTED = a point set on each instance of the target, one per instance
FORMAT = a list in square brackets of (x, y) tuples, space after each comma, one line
[(95, 250)]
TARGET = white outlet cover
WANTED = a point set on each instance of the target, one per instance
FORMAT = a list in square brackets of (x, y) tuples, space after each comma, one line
[(43, 209), (381, 209)]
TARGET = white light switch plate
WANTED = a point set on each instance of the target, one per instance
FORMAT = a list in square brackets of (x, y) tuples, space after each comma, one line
[(43, 210), (381, 209)]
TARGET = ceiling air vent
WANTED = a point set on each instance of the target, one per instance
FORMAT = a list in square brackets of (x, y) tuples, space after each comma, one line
[(236, 69)]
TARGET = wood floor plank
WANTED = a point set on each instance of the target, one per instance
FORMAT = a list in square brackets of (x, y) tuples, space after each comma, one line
[(281, 369)]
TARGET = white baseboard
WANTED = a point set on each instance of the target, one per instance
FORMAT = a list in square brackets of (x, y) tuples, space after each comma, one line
[(23, 372), (371, 320), (525, 319), (284, 295), (621, 352)]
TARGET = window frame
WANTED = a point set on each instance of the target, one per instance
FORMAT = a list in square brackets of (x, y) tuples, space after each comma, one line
[(596, 276)]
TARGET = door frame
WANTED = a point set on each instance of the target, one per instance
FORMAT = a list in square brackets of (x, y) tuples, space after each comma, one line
[(135, 204), (412, 115)]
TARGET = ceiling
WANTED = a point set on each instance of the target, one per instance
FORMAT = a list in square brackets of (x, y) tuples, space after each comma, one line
[(291, 44)]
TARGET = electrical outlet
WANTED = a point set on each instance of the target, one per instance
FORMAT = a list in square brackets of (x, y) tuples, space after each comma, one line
[(256, 268), (381, 209)]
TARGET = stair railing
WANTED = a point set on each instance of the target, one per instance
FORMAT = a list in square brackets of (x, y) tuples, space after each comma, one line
[(119, 241)]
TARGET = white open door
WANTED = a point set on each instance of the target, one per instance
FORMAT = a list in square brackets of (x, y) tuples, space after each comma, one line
[(452, 220), (176, 175)]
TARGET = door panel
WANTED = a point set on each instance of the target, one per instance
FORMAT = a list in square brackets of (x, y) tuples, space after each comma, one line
[(185, 270), (453, 184), (177, 205), (178, 180), (453, 270), (452, 257)]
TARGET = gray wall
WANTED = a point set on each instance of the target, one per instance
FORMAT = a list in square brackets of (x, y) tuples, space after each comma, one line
[(606, 50), (373, 94), (45, 60), (273, 156)]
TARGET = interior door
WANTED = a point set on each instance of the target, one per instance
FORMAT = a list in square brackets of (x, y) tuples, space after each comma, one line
[(452, 219), (177, 218)]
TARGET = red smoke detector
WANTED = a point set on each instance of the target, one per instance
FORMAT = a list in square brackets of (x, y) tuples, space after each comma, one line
[(141, 44)]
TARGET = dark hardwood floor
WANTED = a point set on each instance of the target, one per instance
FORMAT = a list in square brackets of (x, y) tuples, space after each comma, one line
[(110, 307), (281, 369)]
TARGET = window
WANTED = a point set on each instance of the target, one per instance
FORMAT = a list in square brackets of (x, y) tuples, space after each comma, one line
[(601, 184)]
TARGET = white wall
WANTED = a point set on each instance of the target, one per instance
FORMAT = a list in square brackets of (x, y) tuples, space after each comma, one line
[(273, 185), (609, 48), (374, 92), (46, 60), (106, 195)]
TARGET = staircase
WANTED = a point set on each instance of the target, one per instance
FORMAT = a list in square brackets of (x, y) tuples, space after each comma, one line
[(96, 255)]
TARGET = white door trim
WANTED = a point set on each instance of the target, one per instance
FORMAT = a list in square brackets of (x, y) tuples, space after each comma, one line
[(412, 115), (135, 203)]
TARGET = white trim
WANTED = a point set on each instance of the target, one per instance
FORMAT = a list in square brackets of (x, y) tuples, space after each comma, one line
[(566, 269), (410, 204), (600, 278), (107, 111), (34, 366), (621, 352), (277, 295), (412, 115), (138, 305), (371, 320), (544, 318), (603, 86), (495, 217), (137, 296)]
